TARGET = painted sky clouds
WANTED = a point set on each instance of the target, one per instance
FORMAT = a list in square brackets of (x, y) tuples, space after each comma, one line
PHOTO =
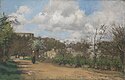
[(63, 19)]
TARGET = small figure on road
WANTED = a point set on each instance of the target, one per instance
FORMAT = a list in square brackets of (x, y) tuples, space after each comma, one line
[(33, 57)]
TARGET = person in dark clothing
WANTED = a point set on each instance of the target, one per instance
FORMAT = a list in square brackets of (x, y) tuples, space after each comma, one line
[(33, 58)]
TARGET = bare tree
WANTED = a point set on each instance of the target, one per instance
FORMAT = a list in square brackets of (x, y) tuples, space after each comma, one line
[(98, 35), (119, 39)]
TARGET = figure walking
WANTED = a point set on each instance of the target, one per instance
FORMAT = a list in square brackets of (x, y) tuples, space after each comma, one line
[(33, 57)]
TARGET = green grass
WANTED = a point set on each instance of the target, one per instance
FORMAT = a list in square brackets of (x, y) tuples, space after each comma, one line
[(27, 58), (8, 71)]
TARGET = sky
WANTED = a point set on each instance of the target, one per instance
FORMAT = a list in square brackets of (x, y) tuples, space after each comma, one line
[(63, 19)]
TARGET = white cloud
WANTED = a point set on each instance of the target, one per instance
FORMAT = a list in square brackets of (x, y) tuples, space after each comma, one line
[(112, 12), (23, 10), (59, 16), (19, 16), (65, 15), (75, 36), (89, 28)]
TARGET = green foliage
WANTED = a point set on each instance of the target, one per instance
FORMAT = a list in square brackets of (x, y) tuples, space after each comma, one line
[(6, 35), (78, 60), (108, 63), (51, 43), (27, 58), (116, 63), (63, 59), (103, 62), (58, 59), (8, 71)]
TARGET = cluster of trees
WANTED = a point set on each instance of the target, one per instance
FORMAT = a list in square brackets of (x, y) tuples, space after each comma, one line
[(46, 44), (76, 56), (113, 51), (109, 54), (20, 46), (6, 36), (10, 42)]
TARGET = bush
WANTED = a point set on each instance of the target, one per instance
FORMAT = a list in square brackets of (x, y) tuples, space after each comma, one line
[(108, 63), (116, 63), (103, 62), (89, 62), (63, 59), (78, 60)]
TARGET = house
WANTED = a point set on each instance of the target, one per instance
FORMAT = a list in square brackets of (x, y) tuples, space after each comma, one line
[(26, 34)]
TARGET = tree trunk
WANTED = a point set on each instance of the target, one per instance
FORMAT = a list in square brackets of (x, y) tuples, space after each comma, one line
[(124, 64), (122, 54), (94, 50)]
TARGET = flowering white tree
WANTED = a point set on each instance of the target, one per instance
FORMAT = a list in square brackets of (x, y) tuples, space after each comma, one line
[(37, 45)]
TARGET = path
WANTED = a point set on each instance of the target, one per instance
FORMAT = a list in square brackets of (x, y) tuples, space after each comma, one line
[(45, 71)]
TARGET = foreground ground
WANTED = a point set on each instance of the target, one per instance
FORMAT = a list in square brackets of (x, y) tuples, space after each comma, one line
[(9, 71), (46, 71)]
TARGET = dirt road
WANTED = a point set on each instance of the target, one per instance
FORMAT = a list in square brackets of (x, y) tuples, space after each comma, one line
[(46, 71)]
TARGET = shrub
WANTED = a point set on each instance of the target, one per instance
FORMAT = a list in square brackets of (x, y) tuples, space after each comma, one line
[(116, 63), (78, 60)]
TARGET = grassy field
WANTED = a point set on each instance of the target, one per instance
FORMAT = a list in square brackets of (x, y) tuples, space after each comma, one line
[(9, 71)]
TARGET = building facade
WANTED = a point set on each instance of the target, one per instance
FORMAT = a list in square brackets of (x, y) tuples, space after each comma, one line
[(25, 34)]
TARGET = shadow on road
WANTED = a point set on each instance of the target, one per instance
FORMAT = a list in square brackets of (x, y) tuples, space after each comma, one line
[(9, 71)]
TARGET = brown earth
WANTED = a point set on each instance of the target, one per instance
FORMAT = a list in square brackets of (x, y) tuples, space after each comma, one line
[(48, 71)]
